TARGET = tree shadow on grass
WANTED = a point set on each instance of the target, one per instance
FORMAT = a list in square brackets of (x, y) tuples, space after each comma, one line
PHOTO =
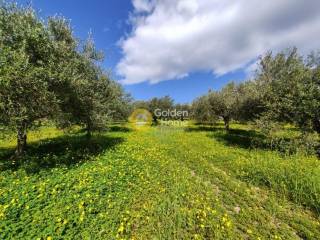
[(204, 128), (119, 129), (208, 124), (65, 151), (240, 138), (114, 128), (234, 137)]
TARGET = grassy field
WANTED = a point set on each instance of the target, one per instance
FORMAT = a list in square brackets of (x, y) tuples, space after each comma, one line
[(196, 182)]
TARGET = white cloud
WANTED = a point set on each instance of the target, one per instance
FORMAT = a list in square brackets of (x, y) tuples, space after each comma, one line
[(171, 38), (143, 5)]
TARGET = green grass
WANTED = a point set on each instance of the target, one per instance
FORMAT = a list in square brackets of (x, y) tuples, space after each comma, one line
[(157, 183)]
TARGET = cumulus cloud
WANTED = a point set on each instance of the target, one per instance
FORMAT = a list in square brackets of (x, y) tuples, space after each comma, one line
[(143, 5), (171, 39)]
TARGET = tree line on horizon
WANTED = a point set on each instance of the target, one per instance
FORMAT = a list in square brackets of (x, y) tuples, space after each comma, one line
[(285, 89)]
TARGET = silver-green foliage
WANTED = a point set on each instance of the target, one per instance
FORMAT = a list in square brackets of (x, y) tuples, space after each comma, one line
[(44, 75)]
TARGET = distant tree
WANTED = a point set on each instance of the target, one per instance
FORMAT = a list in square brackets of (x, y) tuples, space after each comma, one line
[(140, 104), (185, 111), (163, 103), (121, 104), (225, 103), (250, 105), (201, 110)]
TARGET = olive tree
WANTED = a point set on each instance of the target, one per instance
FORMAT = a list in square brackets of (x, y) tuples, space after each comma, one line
[(201, 110), (249, 104), (311, 106), (184, 110), (91, 97), (225, 103), (162, 103), (290, 87), (44, 75), (121, 103), (26, 51)]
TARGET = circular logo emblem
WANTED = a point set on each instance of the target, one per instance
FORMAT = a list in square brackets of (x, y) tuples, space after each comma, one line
[(141, 117)]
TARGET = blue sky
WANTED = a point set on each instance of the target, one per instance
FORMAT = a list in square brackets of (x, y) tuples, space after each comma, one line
[(108, 22), (183, 48)]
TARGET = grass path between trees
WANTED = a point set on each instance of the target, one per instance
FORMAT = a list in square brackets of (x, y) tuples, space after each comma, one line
[(161, 183)]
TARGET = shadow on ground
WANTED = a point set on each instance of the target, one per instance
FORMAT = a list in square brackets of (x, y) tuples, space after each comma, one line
[(241, 138), (234, 137), (120, 129), (251, 139), (62, 151)]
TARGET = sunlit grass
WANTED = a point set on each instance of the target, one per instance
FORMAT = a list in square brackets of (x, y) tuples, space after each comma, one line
[(157, 183)]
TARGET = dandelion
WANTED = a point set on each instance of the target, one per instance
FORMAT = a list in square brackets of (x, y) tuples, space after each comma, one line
[(82, 216), (81, 205), (121, 228), (228, 224)]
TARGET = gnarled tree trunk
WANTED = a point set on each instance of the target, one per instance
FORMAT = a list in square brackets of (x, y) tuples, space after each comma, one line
[(226, 121), (88, 130), (316, 125), (21, 139)]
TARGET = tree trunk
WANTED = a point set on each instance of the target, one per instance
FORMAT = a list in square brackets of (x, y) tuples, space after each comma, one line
[(88, 129), (226, 123), (88, 135), (21, 139), (155, 120), (316, 125)]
